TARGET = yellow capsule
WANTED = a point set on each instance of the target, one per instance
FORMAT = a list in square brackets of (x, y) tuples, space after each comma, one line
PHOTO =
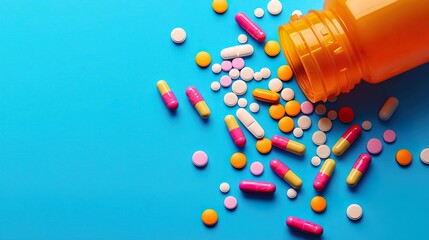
[(341, 146), (203, 109), (354, 177), (293, 179), (198, 101)]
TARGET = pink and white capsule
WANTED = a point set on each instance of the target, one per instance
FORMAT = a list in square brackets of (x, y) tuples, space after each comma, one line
[(167, 95), (251, 28)]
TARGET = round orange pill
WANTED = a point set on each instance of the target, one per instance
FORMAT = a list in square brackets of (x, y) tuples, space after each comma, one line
[(404, 157), (293, 108), (286, 124), (272, 48), (276, 111), (318, 204), (220, 6), (203, 59), (284, 73), (209, 217), (264, 145), (238, 160)]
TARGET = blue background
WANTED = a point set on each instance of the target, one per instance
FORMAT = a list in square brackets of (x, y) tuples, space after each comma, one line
[(89, 151)]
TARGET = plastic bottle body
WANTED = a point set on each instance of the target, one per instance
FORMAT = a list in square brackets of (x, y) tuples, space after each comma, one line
[(330, 51)]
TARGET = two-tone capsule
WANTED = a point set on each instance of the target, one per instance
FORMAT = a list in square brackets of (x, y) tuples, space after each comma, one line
[(304, 226), (359, 168), (265, 95), (198, 102), (167, 95), (284, 172), (251, 27), (235, 131), (288, 145), (257, 187), (324, 175), (347, 139)]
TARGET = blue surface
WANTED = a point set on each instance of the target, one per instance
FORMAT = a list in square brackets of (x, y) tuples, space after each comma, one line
[(89, 151)]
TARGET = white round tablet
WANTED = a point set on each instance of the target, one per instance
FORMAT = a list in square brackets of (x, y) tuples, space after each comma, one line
[(274, 7), (215, 86), (230, 99), (178, 35), (354, 212), (259, 12), (242, 102), (242, 38), (275, 85), (320, 109), (239, 87), (291, 193), (257, 76), (304, 122), (266, 73), (297, 132), (216, 68), (224, 187), (324, 124), (254, 107), (424, 156), (366, 125), (287, 94), (234, 73), (246, 73), (318, 138), (316, 161), (297, 12), (323, 151), (332, 115)]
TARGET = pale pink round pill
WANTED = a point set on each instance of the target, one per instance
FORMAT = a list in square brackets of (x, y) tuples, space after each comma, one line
[(374, 146), (225, 81), (238, 63), (389, 136), (230, 202), (200, 158), (226, 65), (307, 107), (256, 168)]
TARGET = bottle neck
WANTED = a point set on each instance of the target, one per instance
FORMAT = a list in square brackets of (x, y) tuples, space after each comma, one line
[(320, 54)]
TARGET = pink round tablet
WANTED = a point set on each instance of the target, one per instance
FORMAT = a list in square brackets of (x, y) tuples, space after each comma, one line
[(230, 202), (256, 168), (200, 158), (225, 81), (374, 146), (307, 107), (389, 136), (238, 63), (226, 65)]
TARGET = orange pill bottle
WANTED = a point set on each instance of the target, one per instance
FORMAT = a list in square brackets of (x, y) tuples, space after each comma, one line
[(332, 50)]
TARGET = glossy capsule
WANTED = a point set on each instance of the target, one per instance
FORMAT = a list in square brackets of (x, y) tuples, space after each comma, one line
[(251, 27), (198, 102), (304, 226), (288, 145), (167, 95), (324, 175), (359, 168), (265, 95), (235, 131), (347, 139), (257, 187), (284, 172)]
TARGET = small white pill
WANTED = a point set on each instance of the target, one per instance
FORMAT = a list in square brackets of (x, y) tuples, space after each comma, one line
[(304, 122), (297, 132), (315, 161), (332, 115), (230, 99), (275, 85), (323, 151), (242, 38), (366, 125), (291, 193), (254, 107), (388, 108), (215, 86), (424, 156), (354, 212), (237, 51), (239, 87), (234, 73), (178, 35), (257, 76), (242, 102), (274, 7), (297, 12), (320, 109), (318, 138), (324, 124), (287, 94), (266, 73), (259, 12), (246, 73), (216, 68), (224, 187)]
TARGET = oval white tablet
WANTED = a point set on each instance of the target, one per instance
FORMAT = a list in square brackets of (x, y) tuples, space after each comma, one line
[(424, 156), (230, 99), (215, 86), (224, 187), (266, 73), (242, 102), (259, 12), (239, 87), (254, 107), (323, 151), (366, 125), (318, 138), (275, 85), (315, 161), (216, 68), (234, 73), (291, 193), (246, 73), (287, 94), (257, 76), (304, 122), (354, 212), (324, 124), (297, 12), (242, 38), (178, 35), (297, 132), (237, 51), (250, 123), (274, 7)]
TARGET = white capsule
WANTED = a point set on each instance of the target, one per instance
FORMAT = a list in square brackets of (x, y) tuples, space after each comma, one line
[(237, 51), (250, 123)]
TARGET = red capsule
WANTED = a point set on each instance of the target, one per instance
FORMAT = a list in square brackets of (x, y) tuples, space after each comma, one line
[(257, 186)]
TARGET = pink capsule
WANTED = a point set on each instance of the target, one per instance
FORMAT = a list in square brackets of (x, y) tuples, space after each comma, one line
[(257, 187), (251, 28), (198, 101), (167, 95), (324, 175), (304, 226), (235, 131), (288, 145), (359, 168)]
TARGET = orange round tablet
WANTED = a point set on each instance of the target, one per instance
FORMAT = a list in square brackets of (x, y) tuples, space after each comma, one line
[(272, 48), (293, 108), (404, 157), (209, 217), (276, 111), (238, 160), (286, 124), (264, 145), (284, 73), (318, 204), (203, 59)]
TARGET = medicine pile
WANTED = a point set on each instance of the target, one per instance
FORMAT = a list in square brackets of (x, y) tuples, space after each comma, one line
[(292, 118)]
